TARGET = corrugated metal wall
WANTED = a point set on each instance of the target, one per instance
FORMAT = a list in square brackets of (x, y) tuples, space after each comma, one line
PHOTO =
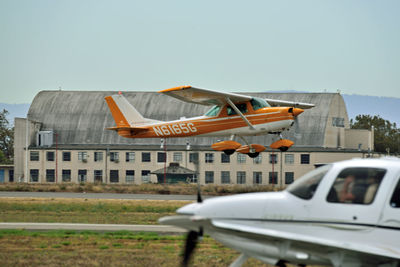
[(80, 117)]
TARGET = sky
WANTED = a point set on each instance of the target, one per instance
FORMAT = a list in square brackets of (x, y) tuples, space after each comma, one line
[(226, 45)]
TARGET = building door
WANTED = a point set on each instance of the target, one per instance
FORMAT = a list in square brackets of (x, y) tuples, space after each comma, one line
[(1, 176)]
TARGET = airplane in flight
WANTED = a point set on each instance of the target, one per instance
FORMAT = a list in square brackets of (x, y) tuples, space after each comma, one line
[(232, 115), (341, 214)]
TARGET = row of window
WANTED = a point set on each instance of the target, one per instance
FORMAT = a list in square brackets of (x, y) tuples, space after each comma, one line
[(130, 176), (82, 176), (241, 177), (177, 157)]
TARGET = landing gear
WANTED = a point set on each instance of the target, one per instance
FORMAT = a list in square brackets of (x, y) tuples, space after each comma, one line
[(282, 144), (229, 147), (253, 155), (229, 151)]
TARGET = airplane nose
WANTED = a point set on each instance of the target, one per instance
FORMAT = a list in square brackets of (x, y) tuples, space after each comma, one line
[(297, 111)]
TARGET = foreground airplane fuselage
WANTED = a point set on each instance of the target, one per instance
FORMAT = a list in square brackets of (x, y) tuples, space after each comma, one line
[(342, 214)]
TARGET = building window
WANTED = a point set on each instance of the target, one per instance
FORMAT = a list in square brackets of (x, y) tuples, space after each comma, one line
[(337, 122), (257, 177), (50, 156), (305, 158), (82, 156), (114, 157), (146, 157), (225, 158), (130, 157), (241, 177), (177, 156), (66, 176), (273, 159), (289, 177), (145, 176), (273, 177), (114, 176), (130, 176), (82, 176), (98, 176), (258, 159), (209, 177), (241, 158), (225, 177), (66, 156), (194, 158), (11, 176), (289, 158), (34, 175), (161, 157), (50, 176), (34, 155), (98, 156), (209, 157)]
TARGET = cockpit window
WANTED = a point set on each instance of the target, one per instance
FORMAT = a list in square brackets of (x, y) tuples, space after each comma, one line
[(242, 108), (258, 103), (356, 185), (395, 200), (305, 186), (214, 111)]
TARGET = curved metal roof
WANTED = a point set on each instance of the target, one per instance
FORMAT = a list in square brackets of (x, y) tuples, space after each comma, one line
[(80, 117)]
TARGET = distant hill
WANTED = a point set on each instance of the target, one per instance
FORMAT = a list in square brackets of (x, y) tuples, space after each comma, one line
[(386, 107)]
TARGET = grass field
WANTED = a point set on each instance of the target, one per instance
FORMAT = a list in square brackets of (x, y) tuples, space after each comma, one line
[(70, 248), (86, 210), (88, 248), (179, 189)]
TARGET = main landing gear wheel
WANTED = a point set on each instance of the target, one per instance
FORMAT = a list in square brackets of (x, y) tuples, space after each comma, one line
[(253, 155), (283, 148), (229, 151)]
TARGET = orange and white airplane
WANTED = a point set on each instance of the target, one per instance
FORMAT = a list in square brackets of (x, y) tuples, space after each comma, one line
[(232, 115)]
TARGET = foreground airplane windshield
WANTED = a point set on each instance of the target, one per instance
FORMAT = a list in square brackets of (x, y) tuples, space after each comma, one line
[(341, 214), (232, 115)]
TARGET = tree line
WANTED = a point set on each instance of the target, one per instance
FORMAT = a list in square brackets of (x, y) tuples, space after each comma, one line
[(386, 134), (6, 139)]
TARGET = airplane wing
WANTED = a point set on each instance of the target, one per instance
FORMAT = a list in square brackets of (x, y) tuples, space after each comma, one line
[(284, 103), (204, 96), (368, 252), (340, 249)]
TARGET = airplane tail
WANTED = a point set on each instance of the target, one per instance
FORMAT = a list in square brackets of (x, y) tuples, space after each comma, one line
[(124, 114)]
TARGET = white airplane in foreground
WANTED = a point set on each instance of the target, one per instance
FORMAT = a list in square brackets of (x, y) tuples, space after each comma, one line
[(342, 214)]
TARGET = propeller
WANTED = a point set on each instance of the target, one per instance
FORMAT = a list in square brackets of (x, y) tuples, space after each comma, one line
[(192, 237), (191, 242)]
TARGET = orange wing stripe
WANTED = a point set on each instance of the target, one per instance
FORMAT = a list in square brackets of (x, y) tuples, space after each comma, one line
[(175, 88)]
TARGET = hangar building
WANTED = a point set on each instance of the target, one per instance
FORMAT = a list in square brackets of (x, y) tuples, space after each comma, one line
[(63, 139)]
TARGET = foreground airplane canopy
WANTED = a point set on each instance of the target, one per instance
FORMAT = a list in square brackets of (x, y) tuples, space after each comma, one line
[(341, 214)]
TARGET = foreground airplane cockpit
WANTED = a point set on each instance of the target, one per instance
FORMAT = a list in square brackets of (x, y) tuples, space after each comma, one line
[(341, 214)]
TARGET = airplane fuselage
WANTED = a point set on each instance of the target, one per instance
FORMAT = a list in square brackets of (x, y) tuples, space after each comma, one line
[(265, 120)]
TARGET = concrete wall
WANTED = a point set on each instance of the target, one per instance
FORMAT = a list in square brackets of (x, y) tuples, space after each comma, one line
[(354, 137), (234, 166)]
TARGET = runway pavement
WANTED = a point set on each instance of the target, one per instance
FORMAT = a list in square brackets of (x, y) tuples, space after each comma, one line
[(99, 195), (165, 229)]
